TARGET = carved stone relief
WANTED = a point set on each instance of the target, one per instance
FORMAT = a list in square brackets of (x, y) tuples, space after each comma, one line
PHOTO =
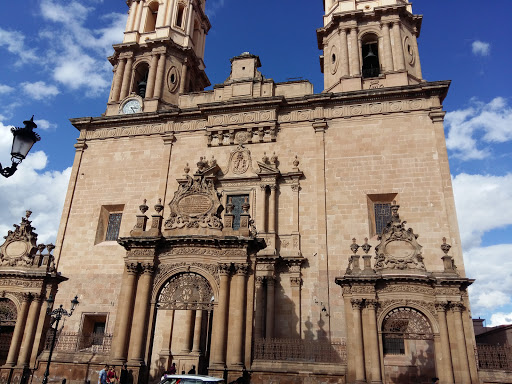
[(186, 291), (8, 313)]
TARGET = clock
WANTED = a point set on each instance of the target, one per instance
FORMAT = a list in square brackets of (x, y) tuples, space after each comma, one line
[(130, 106)]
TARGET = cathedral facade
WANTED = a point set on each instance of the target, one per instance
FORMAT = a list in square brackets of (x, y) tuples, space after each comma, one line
[(256, 231)]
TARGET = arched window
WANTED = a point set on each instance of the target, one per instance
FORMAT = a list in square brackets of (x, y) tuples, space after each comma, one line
[(402, 324), (140, 80), (151, 17), (180, 15), (370, 54)]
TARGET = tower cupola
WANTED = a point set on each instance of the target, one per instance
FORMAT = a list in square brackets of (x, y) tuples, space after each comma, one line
[(161, 56), (369, 44)]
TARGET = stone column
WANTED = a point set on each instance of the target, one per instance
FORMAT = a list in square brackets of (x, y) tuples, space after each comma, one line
[(260, 308), (457, 309), (445, 370), (159, 76), (272, 209), (160, 18), (344, 58), (269, 328), (197, 331), (18, 331), (354, 53), (296, 207), (239, 313), (131, 17), (124, 314), (118, 79), (183, 80), (168, 14), (357, 305), (189, 315), (30, 331), (388, 57), (151, 76), (127, 77), (138, 16), (218, 356), (373, 335), (140, 316), (295, 282), (398, 52), (190, 20), (262, 211)]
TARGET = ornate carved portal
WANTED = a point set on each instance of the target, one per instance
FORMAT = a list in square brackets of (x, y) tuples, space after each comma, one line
[(186, 291), (8, 316)]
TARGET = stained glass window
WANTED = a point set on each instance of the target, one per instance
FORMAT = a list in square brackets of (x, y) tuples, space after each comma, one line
[(114, 223), (382, 216)]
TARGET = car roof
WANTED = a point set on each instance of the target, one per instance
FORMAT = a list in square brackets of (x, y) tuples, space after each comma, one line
[(197, 377)]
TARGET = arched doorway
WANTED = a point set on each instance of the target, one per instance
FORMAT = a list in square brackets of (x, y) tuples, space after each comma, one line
[(8, 315), (183, 323), (408, 347)]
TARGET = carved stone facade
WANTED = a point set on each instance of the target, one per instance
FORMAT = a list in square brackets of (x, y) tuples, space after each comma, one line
[(259, 188)]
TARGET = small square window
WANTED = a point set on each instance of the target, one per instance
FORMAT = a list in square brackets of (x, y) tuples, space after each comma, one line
[(379, 212), (114, 223)]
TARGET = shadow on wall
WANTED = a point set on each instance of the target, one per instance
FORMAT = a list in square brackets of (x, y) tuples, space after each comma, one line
[(417, 366)]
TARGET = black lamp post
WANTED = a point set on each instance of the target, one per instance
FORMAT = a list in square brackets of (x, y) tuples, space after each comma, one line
[(56, 315), (23, 140)]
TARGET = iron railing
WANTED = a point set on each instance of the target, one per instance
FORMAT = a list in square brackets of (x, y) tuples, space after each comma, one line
[(300, 350), (494, 357), (99, 343)]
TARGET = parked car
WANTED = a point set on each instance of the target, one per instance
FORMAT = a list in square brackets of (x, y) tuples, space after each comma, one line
[(190, 379)]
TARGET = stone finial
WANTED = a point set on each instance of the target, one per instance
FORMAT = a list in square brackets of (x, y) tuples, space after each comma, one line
[(143, 207), (50, 247), (41, 248), (296, 162), (201, 164), (264, 159), (445, 247), (213, 162), (354, 247), (159, 207), (186, 169), (273, 159), (28, 213), (246, 205), (230, 206), (366, 247)]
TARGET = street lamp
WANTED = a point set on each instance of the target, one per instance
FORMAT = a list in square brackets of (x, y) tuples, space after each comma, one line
[(56, 315), (23, 140)]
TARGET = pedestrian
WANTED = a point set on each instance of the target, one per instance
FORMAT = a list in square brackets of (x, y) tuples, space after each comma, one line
[(111, 375), (172, 369), (102, 378), (435, 380), (192, 370), (123, 377)]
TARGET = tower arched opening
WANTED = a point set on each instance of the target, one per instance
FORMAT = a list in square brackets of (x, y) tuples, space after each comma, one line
[(140, 79), (151, 17), (370, 55)]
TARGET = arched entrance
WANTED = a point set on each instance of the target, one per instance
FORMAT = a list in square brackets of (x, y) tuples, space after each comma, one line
[(408, 347), (8, 315), (183, 323)]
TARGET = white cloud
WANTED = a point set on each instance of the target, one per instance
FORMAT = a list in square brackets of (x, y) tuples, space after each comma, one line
[(481, 48), (213, 6), (45, 124), (78, 59), (15, 43), (39, 90), (476, 198), (488, 123), (492, 268), (29, 188), (5, 89), (500, 318)]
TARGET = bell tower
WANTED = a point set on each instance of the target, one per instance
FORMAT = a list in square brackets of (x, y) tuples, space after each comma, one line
[(369, 44), (160, 57)]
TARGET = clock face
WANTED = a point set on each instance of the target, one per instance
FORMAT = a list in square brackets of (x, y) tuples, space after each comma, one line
[(132, 106)]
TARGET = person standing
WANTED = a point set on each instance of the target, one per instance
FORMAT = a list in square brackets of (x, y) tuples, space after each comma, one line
[(102, 378), (111, 375), (435, 380), (172, 370), (192, 370), (123, 377)]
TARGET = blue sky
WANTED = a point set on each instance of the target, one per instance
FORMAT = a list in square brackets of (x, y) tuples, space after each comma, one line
[(53, 65)]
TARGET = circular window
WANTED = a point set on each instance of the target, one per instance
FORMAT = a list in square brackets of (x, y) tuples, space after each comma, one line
[(334, 59), (409, 51), (173, 79)]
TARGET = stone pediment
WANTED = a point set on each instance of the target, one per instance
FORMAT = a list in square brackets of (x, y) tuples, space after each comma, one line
[(398, 250), (195, 204)]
